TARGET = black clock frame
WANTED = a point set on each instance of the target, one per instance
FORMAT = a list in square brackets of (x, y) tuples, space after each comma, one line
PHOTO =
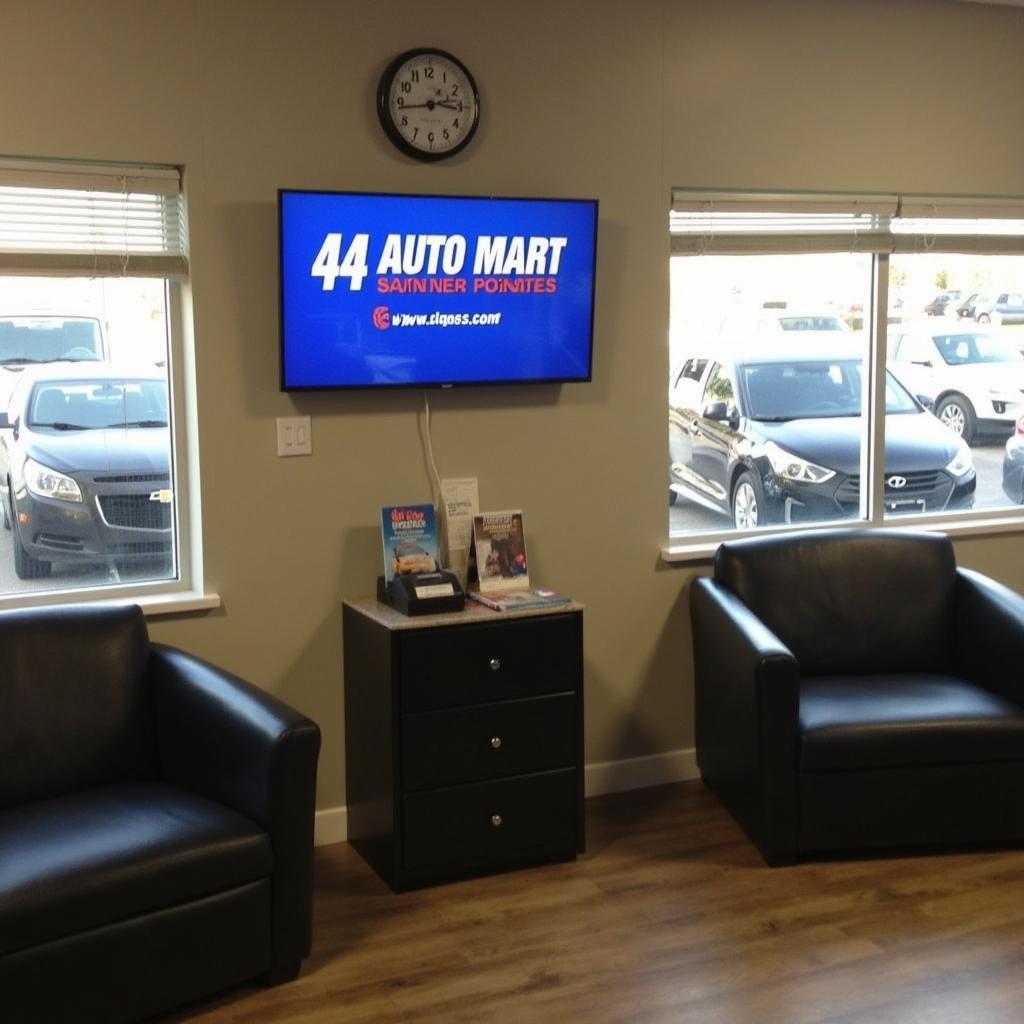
[(384, 112)]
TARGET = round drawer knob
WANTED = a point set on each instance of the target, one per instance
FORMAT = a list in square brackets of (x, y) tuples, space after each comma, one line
[(496, 820), (495, 664), (495, 743)]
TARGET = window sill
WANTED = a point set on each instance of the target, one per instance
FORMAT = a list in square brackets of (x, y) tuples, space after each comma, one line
[(683, 551), (153, 604)]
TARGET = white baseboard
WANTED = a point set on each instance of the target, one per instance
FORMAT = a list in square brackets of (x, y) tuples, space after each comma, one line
[(602, 777), (330, 826), (641, 772)]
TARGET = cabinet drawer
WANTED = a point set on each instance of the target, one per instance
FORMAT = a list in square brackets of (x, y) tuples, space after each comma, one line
[(488, 741), (490, 822), (448, 667)]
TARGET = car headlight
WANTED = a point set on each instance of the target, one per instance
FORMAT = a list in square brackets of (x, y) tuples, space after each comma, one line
[(48, 483), (792, 467), (962, 462)]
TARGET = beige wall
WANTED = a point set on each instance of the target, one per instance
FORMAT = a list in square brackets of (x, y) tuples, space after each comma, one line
[(618, 101)]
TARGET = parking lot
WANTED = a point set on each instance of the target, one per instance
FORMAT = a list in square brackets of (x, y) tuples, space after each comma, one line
[(686, 517)]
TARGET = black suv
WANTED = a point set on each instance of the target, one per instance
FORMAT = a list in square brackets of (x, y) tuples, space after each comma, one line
[(775, 437)]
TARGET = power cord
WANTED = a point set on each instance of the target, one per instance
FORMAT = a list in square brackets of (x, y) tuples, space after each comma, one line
[(429, 447)]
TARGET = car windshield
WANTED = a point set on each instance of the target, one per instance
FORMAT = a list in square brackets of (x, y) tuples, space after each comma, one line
[(98, 404), (813, 390), (811, 323), (960, 349), (48, 339)]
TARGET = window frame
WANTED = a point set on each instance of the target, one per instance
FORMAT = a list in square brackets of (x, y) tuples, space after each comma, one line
[(837, 223), (186, 592)]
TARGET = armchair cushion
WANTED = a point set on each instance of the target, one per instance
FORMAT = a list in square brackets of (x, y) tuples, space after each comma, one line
[(88, 859), (880, 721)]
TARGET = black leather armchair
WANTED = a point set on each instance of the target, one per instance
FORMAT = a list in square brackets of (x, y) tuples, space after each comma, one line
[(156, 823), (856, 689)]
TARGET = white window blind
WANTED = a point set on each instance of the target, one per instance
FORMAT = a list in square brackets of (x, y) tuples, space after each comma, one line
[(92, 220), (737, 223)]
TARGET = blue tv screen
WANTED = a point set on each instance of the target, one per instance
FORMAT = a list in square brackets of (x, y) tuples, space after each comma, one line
[(434, 291)]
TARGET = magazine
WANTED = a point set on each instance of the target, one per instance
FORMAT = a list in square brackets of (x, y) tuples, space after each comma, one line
[(519, 600), (499, 551), (409, 533)]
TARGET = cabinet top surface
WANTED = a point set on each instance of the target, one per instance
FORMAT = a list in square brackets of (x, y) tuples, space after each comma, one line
[(473, 612)]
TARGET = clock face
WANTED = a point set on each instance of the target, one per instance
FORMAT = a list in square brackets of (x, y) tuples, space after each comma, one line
[(428, 104)]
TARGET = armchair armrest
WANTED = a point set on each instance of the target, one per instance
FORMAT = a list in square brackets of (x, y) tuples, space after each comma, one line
[(227, 740), (990, 634), (747, 717)]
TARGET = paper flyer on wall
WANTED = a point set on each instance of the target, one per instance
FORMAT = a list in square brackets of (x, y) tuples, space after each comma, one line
[(499, 547), (409, 533), (460, 502)]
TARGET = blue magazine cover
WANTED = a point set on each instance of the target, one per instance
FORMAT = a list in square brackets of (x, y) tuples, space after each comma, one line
[(410, 539)]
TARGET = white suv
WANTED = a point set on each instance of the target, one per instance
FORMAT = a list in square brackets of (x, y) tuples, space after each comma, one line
[(974, 379), (46, 338)]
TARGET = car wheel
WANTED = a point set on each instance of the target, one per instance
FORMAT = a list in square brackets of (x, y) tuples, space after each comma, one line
[(958, 414), (747, 502), (25, 566), (984, 318)]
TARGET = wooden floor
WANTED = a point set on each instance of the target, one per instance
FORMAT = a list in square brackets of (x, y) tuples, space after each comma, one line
[(670, 916)]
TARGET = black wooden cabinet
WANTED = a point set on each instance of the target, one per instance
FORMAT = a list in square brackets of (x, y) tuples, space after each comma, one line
[(463, 740)]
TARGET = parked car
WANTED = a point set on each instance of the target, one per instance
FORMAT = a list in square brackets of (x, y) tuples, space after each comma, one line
[(85, 467), (974, 380), (30, 339), (1013, 464), (1002, 308), (965, 311), (775, 437), (773, 324), (941, 304), (407, 557)]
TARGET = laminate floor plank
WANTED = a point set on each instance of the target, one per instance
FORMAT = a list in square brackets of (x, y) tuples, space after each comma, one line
[(670, 916)]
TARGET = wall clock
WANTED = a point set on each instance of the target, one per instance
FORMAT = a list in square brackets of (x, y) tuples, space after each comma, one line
[(428, 104)]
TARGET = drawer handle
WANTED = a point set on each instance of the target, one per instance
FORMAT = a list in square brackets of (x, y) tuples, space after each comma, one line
[(495, 743), (495, 664), (496, 820)]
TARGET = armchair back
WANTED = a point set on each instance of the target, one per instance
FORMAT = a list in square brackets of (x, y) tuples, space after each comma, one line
[(849, 602), (75, 707)]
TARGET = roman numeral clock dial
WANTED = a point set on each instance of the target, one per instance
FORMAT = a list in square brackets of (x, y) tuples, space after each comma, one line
[(428, 104)]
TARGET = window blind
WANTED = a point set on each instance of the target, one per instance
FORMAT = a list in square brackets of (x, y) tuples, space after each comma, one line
[(91, 220), (738, 223)]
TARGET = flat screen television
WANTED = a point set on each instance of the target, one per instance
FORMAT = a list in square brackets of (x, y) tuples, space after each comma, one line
[(385, 291)]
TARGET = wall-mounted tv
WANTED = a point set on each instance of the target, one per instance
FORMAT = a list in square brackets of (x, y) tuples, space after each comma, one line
[(434, 291)]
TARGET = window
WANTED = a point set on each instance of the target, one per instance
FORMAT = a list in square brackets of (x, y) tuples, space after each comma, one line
[(858, 359), (94, 479)]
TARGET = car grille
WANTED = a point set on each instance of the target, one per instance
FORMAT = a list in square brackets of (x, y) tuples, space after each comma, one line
[(135, 512), (135, 478), (931, 486), (148, 548)]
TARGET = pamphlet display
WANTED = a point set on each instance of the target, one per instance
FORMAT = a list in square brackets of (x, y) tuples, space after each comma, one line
[(499, 546), (409, 533), (412, 582)]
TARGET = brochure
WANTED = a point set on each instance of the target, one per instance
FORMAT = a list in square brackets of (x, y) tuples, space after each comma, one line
[(409, 533), (499, 550), (460, 501), (519, 600)]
